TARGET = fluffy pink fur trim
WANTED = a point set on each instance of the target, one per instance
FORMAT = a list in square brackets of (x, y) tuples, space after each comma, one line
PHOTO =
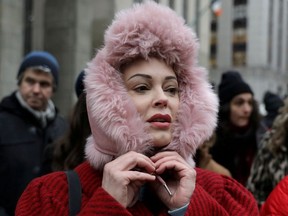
[(146, 30)]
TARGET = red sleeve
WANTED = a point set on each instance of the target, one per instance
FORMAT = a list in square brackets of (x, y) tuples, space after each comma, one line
[(101, 203), (221, 195), (276, 203), (48, 195), (39, 199)]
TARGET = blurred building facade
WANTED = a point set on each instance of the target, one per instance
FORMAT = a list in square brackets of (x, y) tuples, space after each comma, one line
[(250, 36), (72, 30), (69, 29)]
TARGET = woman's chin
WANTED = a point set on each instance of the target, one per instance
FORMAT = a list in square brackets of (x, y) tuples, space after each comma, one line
[(161, 141)]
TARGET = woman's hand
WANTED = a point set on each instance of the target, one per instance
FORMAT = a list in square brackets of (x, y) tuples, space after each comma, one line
[(181, 178), (122, 182)]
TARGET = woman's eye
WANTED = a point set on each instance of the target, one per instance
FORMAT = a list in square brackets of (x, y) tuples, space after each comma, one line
[(172, 90), (239, 103), (141, 89)]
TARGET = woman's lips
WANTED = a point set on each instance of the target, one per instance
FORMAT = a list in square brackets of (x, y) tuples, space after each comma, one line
[(160, 125), (160, 121)]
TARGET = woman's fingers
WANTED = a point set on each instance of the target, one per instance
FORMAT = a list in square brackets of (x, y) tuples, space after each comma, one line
[(179, 176), (167, 161), (122, 177), (132, 160)]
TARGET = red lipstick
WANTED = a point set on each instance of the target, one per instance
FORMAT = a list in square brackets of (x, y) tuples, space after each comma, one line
[(161, 121)]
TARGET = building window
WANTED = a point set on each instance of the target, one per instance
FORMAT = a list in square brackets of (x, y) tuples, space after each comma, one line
[(240, 12), (172, 4), (213, 26), (240, 2), (239, 58), (185, 10), (240, 23), (239, 40), (213, 42), (239, 36), (28, 19)]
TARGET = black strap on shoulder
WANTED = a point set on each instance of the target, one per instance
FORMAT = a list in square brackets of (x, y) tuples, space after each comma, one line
[(75, 192)]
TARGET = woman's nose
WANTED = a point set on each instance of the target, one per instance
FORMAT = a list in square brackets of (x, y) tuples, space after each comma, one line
[(161, 99), (247, 108)]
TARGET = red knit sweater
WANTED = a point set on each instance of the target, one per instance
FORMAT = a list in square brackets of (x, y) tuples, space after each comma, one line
[(213, 195), (276, 203)]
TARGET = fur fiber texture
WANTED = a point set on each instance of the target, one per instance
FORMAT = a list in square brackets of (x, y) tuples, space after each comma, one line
[(146, 30)]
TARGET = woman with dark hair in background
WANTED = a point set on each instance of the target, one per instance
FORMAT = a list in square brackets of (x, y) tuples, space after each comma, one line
[(238, 121), (69, 149)]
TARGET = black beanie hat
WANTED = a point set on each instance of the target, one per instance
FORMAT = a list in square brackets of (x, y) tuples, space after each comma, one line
[(272, 102), (231, 85), (79, 84), (41, 60)]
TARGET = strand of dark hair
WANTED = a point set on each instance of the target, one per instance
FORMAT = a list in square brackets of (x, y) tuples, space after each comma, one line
[(69, 149)]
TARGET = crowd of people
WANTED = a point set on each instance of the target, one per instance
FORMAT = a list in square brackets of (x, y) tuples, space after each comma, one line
[(148, 135)]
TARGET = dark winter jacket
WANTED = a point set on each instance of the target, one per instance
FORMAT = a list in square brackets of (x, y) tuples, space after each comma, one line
[(235, 151), (272, 105), (24, 149)]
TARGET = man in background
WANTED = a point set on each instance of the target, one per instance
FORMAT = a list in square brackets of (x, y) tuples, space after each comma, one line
[(29, 123)]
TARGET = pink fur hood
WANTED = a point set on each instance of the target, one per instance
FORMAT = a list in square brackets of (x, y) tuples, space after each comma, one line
[(146, 30)]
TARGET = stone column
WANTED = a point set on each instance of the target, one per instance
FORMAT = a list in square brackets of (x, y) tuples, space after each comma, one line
[(73, 30), (11, 44)]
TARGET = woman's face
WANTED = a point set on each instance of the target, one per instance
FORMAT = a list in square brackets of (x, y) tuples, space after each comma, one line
[(153, 88), (241, 107)]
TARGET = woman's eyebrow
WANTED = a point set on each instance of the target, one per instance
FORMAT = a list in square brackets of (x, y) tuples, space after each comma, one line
[(141, 75), (170, 77), (149, 77)]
